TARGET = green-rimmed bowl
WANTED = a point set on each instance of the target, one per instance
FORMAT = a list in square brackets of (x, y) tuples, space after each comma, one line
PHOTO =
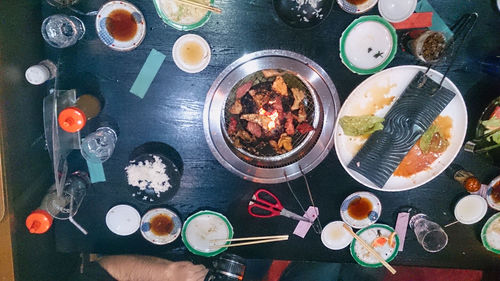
[(204, 223), (360, 234), (178, 26), (483, 234), (376, 50)]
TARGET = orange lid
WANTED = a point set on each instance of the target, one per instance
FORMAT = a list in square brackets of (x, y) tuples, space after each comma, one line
[(39, 221), (72, 119)]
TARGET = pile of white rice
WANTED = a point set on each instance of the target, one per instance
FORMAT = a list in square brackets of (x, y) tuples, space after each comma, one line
[(149, 174)]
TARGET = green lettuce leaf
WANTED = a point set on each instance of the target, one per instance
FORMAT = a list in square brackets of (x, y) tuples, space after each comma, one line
[(361, 125)]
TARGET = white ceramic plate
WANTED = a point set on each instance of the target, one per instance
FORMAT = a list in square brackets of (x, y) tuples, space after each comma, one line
[(396, 10), (391, 83), (123, 220), (356, 9), (160, 239), (335, 237), (203, 227), (107, 39), (372, 217), (489, 199), (176, 53)]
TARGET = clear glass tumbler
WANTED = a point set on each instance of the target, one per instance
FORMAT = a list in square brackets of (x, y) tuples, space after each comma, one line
[(61, 31), (99, 145), (429, 234)]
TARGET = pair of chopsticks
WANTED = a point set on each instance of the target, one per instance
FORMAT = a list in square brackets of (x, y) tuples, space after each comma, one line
[(371, 250), (200, 5), (252, 241)]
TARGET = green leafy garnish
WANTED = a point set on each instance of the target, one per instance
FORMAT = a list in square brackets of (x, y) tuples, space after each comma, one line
[(426, 138), (492, 123), (361, 125)]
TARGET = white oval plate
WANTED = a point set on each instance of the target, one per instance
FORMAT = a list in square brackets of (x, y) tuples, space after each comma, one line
[(107, 39), (395, 80), (371, 219), (123, 220), (160, 239)]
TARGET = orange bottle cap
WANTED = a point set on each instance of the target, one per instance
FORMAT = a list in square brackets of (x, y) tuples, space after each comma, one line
[(72, 119), (39, 221)]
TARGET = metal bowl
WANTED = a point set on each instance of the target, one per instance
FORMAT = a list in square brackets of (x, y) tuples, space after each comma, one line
[(308, 158)]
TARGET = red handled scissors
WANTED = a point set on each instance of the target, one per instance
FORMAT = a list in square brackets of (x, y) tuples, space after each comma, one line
[(264, 204)]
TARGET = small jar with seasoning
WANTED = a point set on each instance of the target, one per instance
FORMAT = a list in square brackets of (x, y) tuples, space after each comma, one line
[(72, 119), (467, 179)]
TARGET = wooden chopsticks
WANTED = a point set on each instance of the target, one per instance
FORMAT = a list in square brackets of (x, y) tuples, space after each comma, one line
[(256, 240), (200, 5), (371, 250)]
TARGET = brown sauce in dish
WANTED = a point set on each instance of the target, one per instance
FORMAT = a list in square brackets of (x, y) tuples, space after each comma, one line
[(495, 192), (360, 208), (121, 25), (161, 225), (357, 2), (416, 161)]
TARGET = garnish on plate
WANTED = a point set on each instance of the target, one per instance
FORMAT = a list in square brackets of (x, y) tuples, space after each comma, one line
[(361, 125)]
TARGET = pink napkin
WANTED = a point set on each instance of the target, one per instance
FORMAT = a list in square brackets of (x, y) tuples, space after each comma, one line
[(303, 226)]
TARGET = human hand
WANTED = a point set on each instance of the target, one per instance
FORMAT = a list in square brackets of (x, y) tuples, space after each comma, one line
[(185, 271)]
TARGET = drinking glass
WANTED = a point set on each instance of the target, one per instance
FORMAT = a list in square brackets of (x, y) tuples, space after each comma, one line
[(429, 234), (61, 31), (99, 145)]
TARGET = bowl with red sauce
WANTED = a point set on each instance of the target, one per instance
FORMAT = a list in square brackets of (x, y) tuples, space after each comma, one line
[(161, 226), (120, 25)]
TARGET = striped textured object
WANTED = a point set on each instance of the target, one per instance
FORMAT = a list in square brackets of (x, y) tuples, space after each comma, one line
[(411, 115)]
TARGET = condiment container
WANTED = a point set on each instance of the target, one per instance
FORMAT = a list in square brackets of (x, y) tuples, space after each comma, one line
[(60, 207), (467, 179), (40, 73), (428, 46), (72, 119)]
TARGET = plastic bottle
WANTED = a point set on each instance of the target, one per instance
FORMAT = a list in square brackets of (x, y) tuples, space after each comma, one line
[(40, 73), (61, 207), (72, 119), (99, 145)]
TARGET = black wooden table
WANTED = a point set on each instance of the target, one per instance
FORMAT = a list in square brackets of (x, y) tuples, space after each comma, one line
[(171, 112)]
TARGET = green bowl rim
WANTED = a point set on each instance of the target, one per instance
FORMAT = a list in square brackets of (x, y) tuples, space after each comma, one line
[(388, 60), (483, 234), (206, 212), (182, 27), (373, 265)]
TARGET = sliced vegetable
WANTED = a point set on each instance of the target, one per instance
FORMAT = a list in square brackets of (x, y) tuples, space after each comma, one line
[(392, 240), (361, 125), (379, 241), (491, 124)]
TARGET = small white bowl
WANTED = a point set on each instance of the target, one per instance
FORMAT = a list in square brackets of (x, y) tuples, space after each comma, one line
[(123, 220), (176, 53), (396, 10), (335, 237), (372, 217), (469, 204), (167, 238)]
